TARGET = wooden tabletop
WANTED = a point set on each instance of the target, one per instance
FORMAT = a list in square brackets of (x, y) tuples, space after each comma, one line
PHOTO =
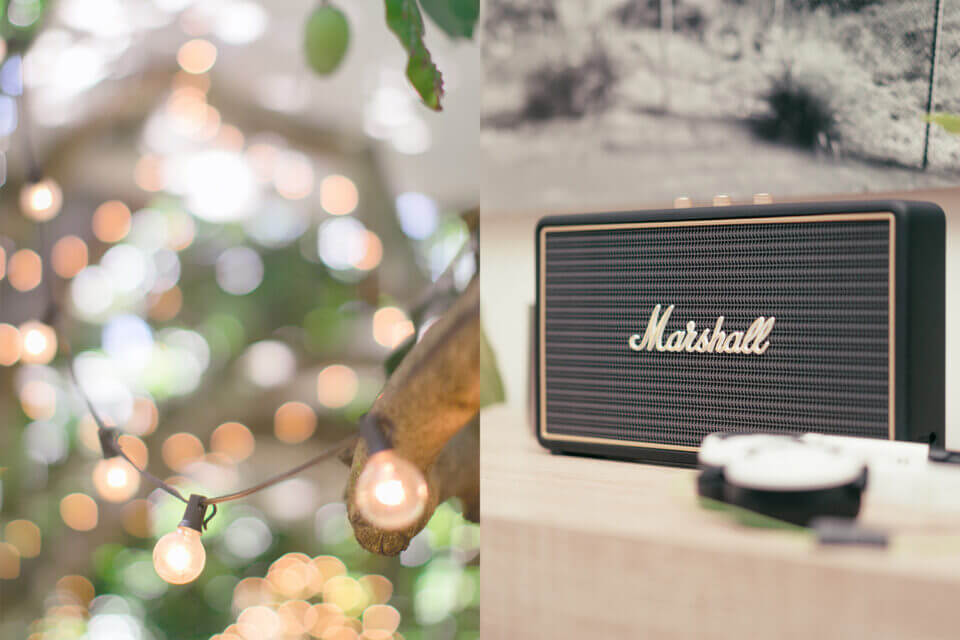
[(578, 547)]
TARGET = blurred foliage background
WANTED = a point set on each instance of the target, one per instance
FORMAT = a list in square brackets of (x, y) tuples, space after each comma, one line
[(237, 248)]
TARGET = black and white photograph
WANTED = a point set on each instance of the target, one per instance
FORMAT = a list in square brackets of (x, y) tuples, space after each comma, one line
[(615, 103)]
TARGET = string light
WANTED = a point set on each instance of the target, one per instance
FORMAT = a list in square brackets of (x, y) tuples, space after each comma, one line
[(179, 556), (391, 492), (41, 200), (115, 479)]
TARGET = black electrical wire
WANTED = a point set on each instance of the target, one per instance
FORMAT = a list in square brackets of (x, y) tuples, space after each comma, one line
[(342, 445), (101, 427), (269, 482)]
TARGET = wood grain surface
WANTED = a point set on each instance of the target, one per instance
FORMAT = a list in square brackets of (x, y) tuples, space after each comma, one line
[(586, 548)]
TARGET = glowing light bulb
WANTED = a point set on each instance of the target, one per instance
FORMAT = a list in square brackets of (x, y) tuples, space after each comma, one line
[(116, 480), (391, 492), (179, 556), (41, 201)]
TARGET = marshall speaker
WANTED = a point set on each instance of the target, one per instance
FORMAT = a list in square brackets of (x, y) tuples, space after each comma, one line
[(656, 328)]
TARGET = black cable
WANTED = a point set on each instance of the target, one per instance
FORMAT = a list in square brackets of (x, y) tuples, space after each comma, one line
[(104, 428), (269, 482)]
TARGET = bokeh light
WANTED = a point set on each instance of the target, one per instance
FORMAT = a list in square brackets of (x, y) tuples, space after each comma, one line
[(230, 137), (25, 270), (247, 537), (69, 256), (337, 386), (79, 511), (41, 201), (243, 22), (346, 593), (92, 292), (391, 327), (296, 617), (76, 590), (259, 622), (9, 562), (338, 195), (294, 422), (269, 363), (38, 398), (111, 221), (11, 345), (137, 518), (218, 185), (135, 449), (373, 253), (167, 305), (143, 421), (379, 588), (25, 536), (233, 440), (251, 592), (197, 56), (262, 158), (180, 450), (39, 342), (418, 214), (293, 175), (239, 270), (150, 173), (381, 618), (342, 243), (46, 442)]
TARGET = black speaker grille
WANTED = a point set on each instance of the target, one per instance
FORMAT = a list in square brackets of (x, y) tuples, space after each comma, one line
[(827, 367)]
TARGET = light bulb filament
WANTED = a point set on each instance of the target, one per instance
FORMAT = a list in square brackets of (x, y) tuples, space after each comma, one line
[(178, 558), (391, 492)]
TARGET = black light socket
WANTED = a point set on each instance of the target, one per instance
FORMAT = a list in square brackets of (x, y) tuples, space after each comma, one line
[(193, 515), (371, 429), (109, 444)]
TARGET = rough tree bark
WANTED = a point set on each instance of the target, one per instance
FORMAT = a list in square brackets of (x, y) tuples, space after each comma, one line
[(432, 400)]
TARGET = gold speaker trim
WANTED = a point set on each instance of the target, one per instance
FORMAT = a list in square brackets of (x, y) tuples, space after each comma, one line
[(796, 219)]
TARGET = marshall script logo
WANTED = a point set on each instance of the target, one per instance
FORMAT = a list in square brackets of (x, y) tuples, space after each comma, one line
[(753, 341)]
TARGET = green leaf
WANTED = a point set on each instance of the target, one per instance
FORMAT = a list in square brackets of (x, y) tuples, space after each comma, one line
[(457, 18), (491, 385), (949, 121), (404, 19), (326, 39)]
